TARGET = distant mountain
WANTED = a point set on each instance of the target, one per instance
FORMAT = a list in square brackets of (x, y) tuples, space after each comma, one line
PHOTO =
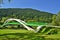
[(26, 14)]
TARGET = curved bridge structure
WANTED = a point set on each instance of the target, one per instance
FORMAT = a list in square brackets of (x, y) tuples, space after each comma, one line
[(23, 23), (18, 20)]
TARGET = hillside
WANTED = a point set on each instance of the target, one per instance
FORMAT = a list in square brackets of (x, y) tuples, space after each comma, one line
[(26, 14)]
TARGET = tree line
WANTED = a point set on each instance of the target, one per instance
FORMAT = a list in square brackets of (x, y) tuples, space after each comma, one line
[(29, 15)]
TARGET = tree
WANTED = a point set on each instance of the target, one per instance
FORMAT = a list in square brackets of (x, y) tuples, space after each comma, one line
[(27, 15), (9, 0), (58, 19), (54, 20), (2, 1)]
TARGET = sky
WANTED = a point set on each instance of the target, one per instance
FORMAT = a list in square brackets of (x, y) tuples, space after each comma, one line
[(52, 6)]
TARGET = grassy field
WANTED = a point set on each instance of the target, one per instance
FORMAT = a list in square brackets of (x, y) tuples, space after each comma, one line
[(19, 34)]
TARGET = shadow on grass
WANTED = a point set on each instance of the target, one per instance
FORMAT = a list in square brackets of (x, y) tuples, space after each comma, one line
[(21, 36)]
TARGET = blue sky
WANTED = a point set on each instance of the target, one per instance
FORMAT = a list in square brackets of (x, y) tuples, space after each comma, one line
[(52, 6)]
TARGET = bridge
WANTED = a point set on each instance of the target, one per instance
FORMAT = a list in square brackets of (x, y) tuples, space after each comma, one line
[(39, 26)]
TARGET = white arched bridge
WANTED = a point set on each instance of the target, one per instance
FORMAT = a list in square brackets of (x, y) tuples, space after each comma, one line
[(27, 27)]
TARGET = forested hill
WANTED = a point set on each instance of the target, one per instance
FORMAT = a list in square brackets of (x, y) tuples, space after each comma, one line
[(26, 14)]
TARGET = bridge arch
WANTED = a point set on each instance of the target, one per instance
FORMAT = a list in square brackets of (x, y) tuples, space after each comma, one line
[(18, 20), (23, 23)]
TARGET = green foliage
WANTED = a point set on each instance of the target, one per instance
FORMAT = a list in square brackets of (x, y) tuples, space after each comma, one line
[(56, 19), (27, 15)]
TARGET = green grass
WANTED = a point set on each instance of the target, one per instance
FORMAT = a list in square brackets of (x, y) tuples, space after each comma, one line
[(22, 34), (18, 34), (5, 31)]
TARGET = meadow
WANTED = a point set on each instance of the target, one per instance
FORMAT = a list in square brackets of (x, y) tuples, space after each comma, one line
[(22, 34)]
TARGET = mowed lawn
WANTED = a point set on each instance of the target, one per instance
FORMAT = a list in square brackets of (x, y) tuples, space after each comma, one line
[(21, 34), (5, 31), (18, 34)]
